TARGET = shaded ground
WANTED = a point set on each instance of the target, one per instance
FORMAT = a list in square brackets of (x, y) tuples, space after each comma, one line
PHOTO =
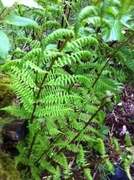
[(121, 119)]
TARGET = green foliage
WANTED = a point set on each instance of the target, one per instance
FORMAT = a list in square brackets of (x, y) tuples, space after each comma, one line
[(64, 73), (7, 168)]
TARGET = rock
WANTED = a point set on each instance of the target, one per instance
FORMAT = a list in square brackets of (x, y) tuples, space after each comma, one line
[(119, 174), (15, 131), (12, 133)]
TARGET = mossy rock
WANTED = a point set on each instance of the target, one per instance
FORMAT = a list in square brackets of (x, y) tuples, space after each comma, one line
[(7, 168), (6, 94), (3, 121)]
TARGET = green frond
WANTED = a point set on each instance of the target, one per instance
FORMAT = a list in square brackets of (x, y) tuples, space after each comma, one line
[(108, 84), (86, 82), (130, 64), (35, 172), (84, 42), (100, 146), (27, 96), (49, 56), (74, 58), (33, 55), (34, 68), (65, 165), (28, 42), (59, 34), (6, 66), (58, 98), (53, 24), (62, 80), (90, 129), (81, 157), (67, 79), (125, 6), (50, 168), (116, 144), (17, 111), (85, 13), (57, 174), (109, 166), (87, 174), (97, 22), (76, 125), (52, 111), (128, 139), (24, 77)]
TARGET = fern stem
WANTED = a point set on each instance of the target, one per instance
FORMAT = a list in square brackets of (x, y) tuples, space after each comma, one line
[(9, 11), (93, 163), (45, 76), (33, 141), (40, 89), (87, 123), (110, 57)]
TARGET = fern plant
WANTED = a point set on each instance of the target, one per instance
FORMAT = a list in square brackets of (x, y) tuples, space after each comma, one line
[(64, 80)]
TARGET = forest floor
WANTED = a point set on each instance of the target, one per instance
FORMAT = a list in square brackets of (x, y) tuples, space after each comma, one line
[(121, 119)]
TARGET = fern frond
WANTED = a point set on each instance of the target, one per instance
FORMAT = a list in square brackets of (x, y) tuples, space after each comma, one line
[(81, 157), (108, 84), (49, 56), (33, 55), (87, 174), (35, 172), (85, 13), (6, 66), (80, 43), (57, 175), (65, 165), (59, 98), (17, 111), (97, 22), (53, 111), (24, 77), (59, 34), (53, 24), (50, 168), (27, 96), (74, 58), (28, 42)]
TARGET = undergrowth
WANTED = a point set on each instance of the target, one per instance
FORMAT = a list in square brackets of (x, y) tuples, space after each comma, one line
[(66, 71)]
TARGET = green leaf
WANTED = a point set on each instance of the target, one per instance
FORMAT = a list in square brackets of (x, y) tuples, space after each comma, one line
[(20, 21), (4, 45), (116, 32)]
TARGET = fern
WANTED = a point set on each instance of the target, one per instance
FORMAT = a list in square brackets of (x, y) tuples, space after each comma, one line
[(59, 34), (86, 12), (63, 82)]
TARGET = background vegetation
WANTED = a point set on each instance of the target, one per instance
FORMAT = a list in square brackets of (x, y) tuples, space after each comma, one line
[(67, 62)]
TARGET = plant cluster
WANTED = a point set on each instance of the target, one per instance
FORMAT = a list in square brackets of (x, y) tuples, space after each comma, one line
[(66, 66)]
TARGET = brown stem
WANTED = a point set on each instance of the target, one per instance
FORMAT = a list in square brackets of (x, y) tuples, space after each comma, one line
[(87, 123), (9, 11), (93, 163), (38, 94)]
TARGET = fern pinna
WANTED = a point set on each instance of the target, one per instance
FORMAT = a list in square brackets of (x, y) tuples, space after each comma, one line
[(63, 99)]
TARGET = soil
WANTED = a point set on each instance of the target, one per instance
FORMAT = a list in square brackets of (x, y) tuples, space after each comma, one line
[(121, 119)]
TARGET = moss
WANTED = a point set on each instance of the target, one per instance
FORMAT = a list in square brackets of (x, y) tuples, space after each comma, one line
[(7, 168), (3, 121), (6, 94)]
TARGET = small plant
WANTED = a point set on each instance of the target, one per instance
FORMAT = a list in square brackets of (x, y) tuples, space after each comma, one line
[(64, 76)]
